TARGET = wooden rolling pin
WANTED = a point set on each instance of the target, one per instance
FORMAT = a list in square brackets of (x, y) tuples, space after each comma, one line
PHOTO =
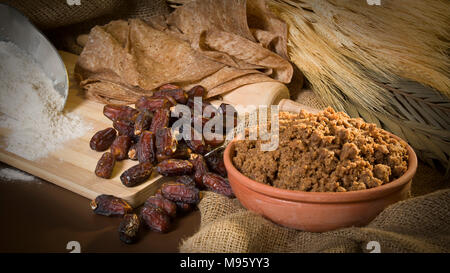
[(262, 93)]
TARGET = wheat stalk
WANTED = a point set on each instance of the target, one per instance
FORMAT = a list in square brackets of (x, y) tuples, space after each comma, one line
[(387, 64)]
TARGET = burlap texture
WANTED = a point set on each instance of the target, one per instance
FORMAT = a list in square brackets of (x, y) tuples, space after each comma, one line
[(419, 224), (63, 23), (307, 97)]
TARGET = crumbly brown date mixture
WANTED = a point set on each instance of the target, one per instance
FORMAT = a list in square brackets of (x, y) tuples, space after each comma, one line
[(325, 152)]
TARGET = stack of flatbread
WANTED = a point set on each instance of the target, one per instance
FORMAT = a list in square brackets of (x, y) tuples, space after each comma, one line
[(219, 44)]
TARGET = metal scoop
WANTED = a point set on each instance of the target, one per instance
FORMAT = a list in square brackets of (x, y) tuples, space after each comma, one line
[(16, 28)]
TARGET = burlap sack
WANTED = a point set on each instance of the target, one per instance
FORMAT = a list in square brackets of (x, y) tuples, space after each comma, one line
[(419, 224), (63, 22)]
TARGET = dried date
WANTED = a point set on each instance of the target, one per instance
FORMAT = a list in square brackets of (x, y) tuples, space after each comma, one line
[(168, 86), (129, 228), (124, 128), (137, 174), (143, 121), (166, 144), (109, 205), (215, 162), (172, 101), (105, 165), (103, 139), (197, 146), (120, 147), (218, 184), (160, 120), (162, 157), (197, 91), (187, 180), (146, 147), (174, 167), (120, 112), (132, 152), (158, 201), (179, 192), (200, 169), (183, 151), (184, 207), (197, 143), (199, 119), (152, 104), (155, 218), (177, 94)]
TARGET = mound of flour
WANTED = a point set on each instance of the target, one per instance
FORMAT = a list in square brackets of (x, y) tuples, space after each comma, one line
[(29, 104)]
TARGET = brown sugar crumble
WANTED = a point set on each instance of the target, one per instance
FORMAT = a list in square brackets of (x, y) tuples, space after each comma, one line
[(324, 152)]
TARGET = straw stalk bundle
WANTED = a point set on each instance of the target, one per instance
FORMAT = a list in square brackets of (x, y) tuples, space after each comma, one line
[(388, 64)]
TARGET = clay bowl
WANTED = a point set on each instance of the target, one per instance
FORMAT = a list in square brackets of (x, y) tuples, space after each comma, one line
[(317, 211)]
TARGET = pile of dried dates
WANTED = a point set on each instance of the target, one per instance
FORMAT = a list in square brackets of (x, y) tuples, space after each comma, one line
[(144, 134)]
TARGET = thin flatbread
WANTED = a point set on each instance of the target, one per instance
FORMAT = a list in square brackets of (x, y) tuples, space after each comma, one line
[(220, 44)]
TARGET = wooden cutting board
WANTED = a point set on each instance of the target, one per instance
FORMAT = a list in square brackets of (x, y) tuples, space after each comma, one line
[(72, 166)]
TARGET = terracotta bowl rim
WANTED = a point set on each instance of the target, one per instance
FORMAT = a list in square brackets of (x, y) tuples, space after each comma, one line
[(321, 197)]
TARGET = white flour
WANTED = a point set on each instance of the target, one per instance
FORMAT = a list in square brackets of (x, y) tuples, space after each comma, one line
[(30, 104), (12, 174)]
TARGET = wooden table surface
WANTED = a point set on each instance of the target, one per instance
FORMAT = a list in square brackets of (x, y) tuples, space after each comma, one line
[(38, 216)]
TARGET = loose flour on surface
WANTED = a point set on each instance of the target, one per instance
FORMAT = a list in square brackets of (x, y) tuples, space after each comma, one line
[(16, 175), (29, 104)]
